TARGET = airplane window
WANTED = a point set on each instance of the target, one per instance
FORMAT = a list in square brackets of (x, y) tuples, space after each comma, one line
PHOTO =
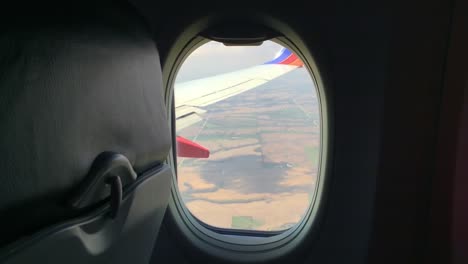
[(248, 136)]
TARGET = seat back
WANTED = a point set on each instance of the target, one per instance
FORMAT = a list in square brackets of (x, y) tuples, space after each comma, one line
[(83, 137)]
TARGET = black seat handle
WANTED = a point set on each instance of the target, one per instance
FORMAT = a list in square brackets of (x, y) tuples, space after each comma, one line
[(115, 195), (108, 176)]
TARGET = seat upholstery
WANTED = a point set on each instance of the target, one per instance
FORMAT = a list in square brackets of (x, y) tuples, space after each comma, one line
[(74, 82)]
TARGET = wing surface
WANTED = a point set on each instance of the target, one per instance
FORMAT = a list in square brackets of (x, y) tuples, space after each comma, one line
[(192, 96)]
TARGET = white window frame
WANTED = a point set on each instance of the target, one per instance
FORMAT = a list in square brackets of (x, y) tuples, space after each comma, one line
[(248, 246)]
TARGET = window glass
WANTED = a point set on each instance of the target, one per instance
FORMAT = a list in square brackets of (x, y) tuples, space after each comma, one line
[(248, 136)]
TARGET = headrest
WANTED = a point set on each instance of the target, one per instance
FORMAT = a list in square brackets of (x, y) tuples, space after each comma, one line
[(73, 83)]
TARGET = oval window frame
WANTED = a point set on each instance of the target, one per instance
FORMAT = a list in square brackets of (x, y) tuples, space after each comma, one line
[(253, 246)]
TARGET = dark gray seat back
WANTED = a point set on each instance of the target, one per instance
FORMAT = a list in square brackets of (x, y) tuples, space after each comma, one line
[(81, 104)]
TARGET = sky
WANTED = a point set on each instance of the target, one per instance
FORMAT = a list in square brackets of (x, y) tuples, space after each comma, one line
[(214, 58)]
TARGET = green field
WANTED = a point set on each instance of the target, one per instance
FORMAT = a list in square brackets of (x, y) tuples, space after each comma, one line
[(220, 136), (289, 113), (312, 154), (245, 222)]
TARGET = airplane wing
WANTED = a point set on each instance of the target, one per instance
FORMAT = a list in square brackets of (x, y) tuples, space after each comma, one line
[(193, 95)]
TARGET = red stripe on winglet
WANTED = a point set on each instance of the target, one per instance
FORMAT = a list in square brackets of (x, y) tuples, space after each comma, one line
[(297, 63), (292, 60)]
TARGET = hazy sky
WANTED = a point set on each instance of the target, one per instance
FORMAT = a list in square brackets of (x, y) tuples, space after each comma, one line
[(215, 58)]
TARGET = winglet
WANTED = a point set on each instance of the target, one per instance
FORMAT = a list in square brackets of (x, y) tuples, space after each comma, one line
[(190, 149), (286, 57)]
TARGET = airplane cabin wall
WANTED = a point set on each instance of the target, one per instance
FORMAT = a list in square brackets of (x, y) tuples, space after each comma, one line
[(449, 232), (383, 64)]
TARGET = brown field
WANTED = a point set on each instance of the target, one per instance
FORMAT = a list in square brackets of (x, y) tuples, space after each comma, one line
[(274, 213), (260, 168)]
